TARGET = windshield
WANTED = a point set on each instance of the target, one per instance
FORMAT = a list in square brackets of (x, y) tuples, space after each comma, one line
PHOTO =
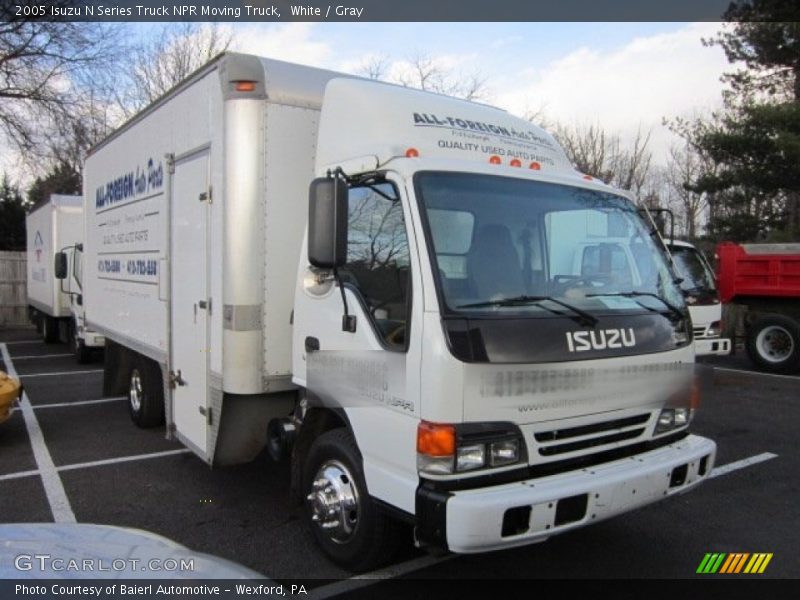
[(693, 268), (511, 245)]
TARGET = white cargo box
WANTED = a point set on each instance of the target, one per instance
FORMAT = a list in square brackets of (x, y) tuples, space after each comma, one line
[(195, 217), (51, 227)]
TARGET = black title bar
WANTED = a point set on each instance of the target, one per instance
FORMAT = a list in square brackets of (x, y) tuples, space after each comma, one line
[(275, 11)]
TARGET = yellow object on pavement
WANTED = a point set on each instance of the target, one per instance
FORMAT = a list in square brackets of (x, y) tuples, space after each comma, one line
[(10, 390)]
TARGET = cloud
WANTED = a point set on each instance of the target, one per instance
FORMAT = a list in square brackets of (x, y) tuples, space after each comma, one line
[(640, 83), (290, 42)]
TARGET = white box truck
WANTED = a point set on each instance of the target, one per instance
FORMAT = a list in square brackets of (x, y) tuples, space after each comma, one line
[(54, 234), (371, 280)]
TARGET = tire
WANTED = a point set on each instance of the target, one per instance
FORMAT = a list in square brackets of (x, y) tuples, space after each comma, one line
[(49, 330), (146, 393), (773, 344), (358, 536)]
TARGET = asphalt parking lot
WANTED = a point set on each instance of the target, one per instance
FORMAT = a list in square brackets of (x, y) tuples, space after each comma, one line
[(111, 472)]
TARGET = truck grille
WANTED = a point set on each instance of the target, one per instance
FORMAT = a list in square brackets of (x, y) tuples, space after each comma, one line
[(699, 332), (573, 439)]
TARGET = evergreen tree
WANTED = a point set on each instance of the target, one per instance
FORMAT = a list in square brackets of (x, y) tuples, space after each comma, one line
[(755, 142), (12, 216)]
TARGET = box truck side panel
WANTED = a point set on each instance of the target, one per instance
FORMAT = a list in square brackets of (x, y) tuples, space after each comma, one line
[(291, 135), (126, 186), (39, 226), (51, 227)]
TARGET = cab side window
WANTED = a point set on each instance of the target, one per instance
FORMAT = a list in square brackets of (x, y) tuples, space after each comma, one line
[(378, 260)]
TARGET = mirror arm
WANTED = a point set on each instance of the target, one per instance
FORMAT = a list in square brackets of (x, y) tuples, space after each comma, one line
[(348, 320)]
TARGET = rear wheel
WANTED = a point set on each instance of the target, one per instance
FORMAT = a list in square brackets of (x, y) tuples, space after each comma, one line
[(773, 343), (146, 393), (348, 526)]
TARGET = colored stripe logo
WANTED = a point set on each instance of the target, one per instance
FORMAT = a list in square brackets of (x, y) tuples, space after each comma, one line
[(734, 563)]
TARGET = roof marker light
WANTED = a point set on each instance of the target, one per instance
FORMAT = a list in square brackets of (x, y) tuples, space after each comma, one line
[(412, 153), (495, 160), (244, 86), (535, 166), (515, 162), (587, 177)]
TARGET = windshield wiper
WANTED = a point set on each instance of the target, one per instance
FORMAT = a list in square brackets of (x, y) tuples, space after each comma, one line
[(636, 294), (583, 317)]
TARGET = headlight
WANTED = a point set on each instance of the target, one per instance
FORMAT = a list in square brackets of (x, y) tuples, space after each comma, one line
[(471, 457), (673, 418), (444, 449), (504, 453), (715, 329)]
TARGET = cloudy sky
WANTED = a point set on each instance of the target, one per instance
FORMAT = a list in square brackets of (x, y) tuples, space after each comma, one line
[(620, 75)]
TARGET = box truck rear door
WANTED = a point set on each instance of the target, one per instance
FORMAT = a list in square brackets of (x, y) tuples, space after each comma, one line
[(189, 307)]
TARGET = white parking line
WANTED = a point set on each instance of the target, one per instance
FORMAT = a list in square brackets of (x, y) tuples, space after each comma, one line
[(746, 372), (25, 342), (741, 464), (53, 486), (122, 459), (79, 402), (18, 475), (60, 373), (99, 463), (366, 579), (31, 356)]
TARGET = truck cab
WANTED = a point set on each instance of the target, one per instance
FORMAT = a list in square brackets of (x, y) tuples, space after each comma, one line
[(69, 269), (498, 334), (700, 288)]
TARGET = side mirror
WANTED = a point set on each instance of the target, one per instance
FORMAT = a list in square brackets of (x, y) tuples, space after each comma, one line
[(327, 223), (60, 265)]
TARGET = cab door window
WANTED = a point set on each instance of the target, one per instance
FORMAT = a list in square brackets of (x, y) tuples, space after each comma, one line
[(378, 260)]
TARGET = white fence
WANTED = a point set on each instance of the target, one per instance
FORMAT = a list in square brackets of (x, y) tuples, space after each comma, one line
[(13, 292)]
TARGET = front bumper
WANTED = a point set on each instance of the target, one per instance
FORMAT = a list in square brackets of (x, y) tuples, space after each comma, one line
[(712, 346), (529, 511), (92, 339)]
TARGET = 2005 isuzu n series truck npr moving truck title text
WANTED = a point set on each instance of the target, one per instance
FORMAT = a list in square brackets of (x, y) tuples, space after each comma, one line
[(432, 333)]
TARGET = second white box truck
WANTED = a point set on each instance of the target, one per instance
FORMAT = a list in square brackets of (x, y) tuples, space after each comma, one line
[(55, 269), (374, 281)]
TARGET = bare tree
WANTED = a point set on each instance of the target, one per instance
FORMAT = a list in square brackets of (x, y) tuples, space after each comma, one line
[(162, 63), (684, 168), (46, 69), (430, 74), (375, 67), (599, 154)]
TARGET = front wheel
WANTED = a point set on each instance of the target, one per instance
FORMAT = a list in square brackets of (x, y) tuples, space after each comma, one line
[(346, 523), (773, 343)]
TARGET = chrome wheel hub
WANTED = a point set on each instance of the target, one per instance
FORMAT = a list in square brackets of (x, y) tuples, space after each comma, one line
[(774, 344), (334, 501), (135, 393)]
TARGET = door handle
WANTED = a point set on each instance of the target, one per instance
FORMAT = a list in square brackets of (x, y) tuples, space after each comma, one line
[(202, 304)]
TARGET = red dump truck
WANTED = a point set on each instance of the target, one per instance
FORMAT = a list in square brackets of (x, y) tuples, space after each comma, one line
[(760, 287)]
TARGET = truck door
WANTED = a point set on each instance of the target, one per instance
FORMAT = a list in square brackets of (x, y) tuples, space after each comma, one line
[(190, 305)]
